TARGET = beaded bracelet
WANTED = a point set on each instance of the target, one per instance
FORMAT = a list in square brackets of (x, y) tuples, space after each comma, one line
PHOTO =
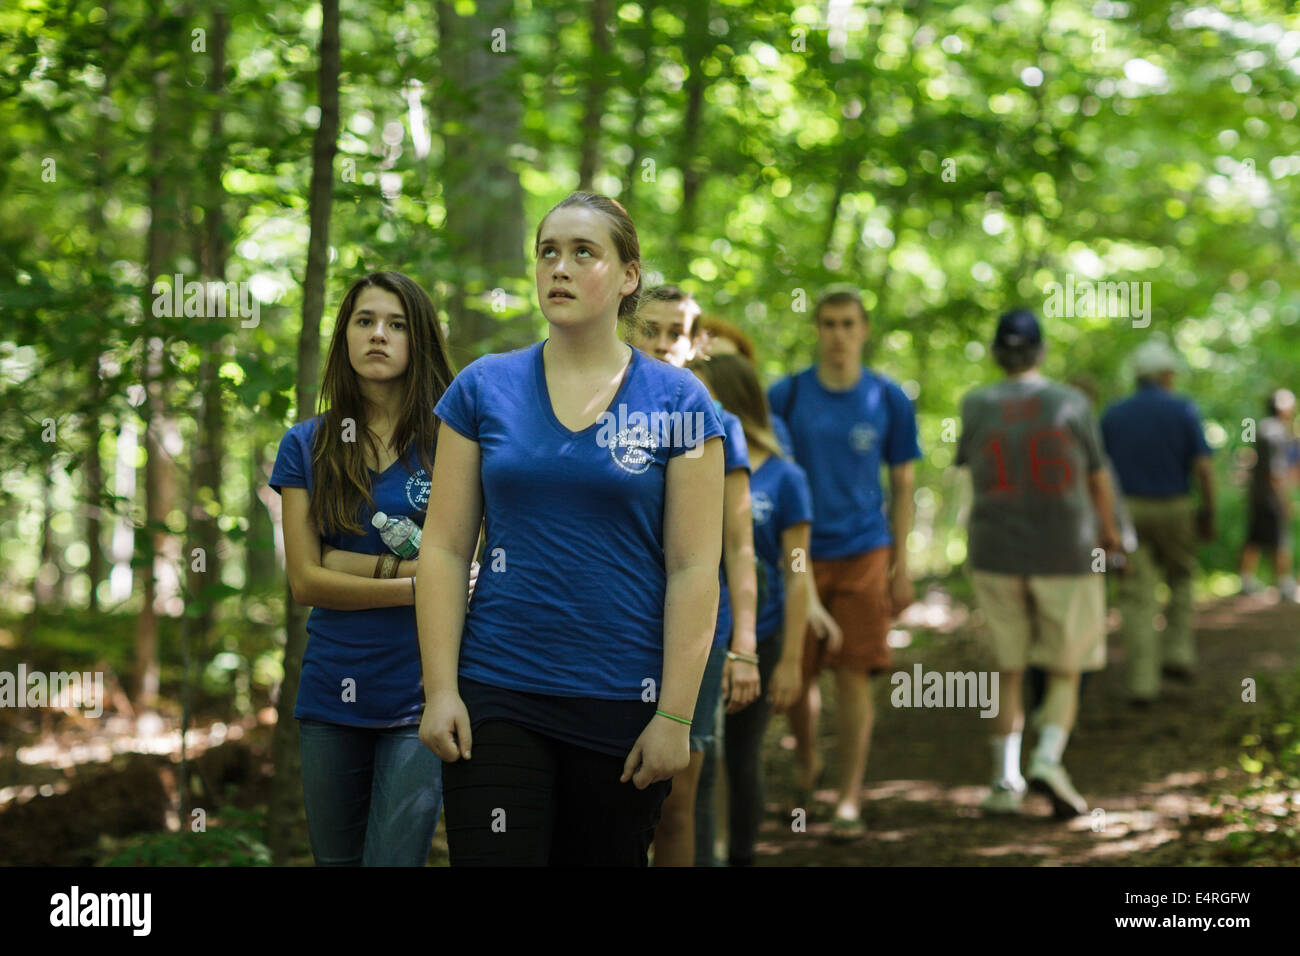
[(680, 720)]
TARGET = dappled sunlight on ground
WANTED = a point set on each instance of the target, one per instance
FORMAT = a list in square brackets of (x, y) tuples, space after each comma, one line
[(1160, 782), (1163, 783)]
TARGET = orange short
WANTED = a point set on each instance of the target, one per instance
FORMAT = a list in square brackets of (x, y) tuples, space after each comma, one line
[(856, 593)]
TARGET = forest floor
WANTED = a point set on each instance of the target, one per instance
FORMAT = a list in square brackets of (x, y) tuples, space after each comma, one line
[(1166, 779), (1168, 782)]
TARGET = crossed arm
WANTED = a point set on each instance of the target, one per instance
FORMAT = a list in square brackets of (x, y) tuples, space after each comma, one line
[(335, 585), (321, 576)]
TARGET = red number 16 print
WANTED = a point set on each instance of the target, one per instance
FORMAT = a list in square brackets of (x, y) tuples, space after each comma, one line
[(1051, 476)]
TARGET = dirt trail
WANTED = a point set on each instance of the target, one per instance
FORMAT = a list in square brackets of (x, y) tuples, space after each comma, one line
[(1152, 773)]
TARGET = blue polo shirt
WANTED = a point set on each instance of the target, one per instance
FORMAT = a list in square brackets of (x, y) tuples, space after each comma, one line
[(570, 596), (779, 498), (841, 439), (1152, 438), (377, 648)]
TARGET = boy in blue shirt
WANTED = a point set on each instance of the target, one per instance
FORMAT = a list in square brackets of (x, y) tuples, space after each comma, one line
[(846, 422)]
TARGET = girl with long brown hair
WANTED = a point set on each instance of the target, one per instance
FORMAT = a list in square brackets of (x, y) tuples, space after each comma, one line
[(781, 505), (372, 790)]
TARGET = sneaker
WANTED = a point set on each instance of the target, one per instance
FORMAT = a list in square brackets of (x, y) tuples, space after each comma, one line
[(1250, 584), (1004, 798), (1287, 588), (847, 829), (1178, 672), (1052, 781)]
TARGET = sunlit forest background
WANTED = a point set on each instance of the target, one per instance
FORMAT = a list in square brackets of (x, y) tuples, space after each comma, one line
[(949, 159)]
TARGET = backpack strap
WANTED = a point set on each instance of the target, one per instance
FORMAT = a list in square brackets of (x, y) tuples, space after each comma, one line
[(791, 398)]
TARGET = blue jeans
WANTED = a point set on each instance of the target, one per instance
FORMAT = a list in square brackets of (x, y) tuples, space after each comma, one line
[(372, 795), (706, 705), (704, 738), (743, 732)]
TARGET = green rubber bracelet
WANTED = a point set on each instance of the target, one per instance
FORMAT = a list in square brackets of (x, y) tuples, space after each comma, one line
[(680, 720)]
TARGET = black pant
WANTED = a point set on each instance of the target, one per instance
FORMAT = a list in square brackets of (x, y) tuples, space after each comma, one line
[(743, 746), (525, 799)]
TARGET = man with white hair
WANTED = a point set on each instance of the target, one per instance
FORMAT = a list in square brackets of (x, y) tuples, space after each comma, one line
[(1155, 441), (1270, 505)]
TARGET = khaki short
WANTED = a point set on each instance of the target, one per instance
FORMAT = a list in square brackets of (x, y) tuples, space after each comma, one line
[(1056, 622)]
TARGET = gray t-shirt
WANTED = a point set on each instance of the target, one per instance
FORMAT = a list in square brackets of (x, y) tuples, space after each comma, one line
[(1030, 446), (1271, 447)]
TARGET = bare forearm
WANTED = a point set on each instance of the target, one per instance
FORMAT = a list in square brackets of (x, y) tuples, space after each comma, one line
[(360, 564), (900, 525), (339, 591), (797, 599), (742, 586), (1205, 478), (690, 617), (1103, 500), (814, 599), (440, 616)]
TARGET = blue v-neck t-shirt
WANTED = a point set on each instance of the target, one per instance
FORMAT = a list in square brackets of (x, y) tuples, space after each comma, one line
[(570, 595), (360, 668)]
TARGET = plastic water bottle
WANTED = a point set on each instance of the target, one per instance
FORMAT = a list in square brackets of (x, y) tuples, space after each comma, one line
[(402, 535)]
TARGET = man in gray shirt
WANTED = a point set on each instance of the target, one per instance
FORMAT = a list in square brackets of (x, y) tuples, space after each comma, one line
[(1040, 528)]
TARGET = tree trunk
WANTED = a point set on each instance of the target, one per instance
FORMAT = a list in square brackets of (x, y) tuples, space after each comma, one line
[(696, 45), (93, 474), (597, 84), (633, 171), (43, 583), (481, 99), (102, 302), (259, 543), (204, 568), (285, 814), (159, 483)]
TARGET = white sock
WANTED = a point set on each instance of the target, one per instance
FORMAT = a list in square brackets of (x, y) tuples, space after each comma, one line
[(1052, 739), (1006, 758)]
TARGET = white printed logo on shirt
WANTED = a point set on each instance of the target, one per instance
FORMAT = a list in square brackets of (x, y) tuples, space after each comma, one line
[(633, 449), (761, 505), (863, 438), (417, 490)]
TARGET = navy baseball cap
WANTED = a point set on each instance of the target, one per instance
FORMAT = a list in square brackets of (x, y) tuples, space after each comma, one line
[(1017, 329)]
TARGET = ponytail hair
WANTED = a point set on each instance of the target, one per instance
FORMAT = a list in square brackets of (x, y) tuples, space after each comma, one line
[(734, 382)]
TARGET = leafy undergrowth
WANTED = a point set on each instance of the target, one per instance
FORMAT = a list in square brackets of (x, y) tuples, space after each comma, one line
[(235, 839), (1265, 814)]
